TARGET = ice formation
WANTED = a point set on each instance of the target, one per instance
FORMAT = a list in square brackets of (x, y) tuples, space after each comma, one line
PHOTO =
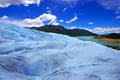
[(33, 55)]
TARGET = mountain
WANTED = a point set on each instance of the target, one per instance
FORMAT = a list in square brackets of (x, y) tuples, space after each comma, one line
[(62, 30), (34, 55), (113, 35)]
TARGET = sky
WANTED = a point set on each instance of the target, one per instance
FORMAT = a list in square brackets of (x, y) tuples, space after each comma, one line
[(98, 16)]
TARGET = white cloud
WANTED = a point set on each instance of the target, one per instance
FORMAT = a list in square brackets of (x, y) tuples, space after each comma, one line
[(107, 4), (117, 12), (38, 21), (72, 20), (73, 27), (6, 3), (106, 30), (65, 9), (48, 10), (48, 17), (61, 21), (110, 4), (101, 30), (118, 17), (68, 0), (4, 17), (90, 23), (51, 19)]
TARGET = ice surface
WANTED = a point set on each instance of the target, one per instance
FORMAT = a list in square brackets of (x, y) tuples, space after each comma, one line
[(32, 55)]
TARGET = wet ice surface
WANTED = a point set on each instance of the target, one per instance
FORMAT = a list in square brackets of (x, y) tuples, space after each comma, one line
[(32, 55)]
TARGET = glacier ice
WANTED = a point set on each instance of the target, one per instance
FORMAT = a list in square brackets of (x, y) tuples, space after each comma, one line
[(33, 55)]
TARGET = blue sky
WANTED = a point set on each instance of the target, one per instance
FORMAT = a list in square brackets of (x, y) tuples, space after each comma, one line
[(100, 16)]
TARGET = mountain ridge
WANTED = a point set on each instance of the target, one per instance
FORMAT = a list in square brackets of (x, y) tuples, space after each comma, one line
[(62, 30), (113, 35)]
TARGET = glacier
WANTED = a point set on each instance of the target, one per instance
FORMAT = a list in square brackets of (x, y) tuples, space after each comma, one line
[(34, 55)]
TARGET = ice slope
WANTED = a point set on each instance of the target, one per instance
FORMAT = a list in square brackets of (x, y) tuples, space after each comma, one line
[(32, 55)]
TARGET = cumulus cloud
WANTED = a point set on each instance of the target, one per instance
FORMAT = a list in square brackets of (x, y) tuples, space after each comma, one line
[(6, 3), (72, 20), (38, 21), (51, 19)]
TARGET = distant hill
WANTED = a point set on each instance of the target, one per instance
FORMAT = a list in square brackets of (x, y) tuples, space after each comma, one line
[(113, 35), (62, 30)]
